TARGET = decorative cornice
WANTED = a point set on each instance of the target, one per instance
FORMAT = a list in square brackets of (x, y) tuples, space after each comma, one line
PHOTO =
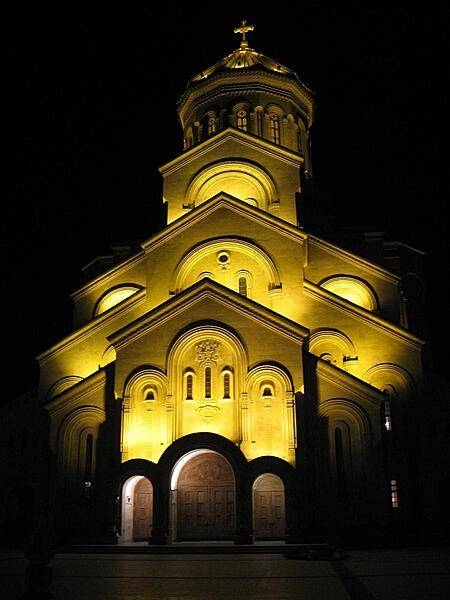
[(206, 288), (92, 326), (247, 139), (355, 259), (110, 273), (252, 76), (361, 314), (77, 392), (211, 96), (221, 200), (349, 382)]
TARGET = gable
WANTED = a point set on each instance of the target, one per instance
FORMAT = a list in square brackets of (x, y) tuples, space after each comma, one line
[(240, 164), (262, 333)]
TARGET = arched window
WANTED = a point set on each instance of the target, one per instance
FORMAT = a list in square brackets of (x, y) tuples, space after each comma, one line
[(208, 382), (387, 415), (114, 297), (211, 125), (352, 289), (275, 128), (189, 139), (149, 399), (189, 387), (243, 286), (243, 281), (189, 384), (226, 385), (299, 141), (340, 465), (259, 122), (88, 456), (242, 119)]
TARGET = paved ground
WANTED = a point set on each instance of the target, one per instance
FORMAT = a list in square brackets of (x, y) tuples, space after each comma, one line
[(399, 574)]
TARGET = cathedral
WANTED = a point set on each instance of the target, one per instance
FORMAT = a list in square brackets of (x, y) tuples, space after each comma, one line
[(235, 376)]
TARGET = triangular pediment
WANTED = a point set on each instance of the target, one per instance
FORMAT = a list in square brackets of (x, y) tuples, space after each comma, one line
[(346, 384), (233, 206), (232, 136), (205, 300)]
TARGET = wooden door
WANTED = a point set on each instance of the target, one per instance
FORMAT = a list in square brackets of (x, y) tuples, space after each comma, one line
[(142, 510), (269, 508), (206, 499)]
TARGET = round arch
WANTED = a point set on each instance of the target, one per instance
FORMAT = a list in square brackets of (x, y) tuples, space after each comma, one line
[(331, 345), (140, 378), (342, 408), (207, 441), (130, 474), (350, 440), (241, 179), (262, 372), (389, 374), (280, 501), (197, 363), (108, 356), (114, 296), (203, 496), (62, 385), (198, 444), (353, 289), (198, 253), (80, 418)]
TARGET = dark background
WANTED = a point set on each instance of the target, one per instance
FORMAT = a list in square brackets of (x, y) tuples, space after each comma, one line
[(89, 114)]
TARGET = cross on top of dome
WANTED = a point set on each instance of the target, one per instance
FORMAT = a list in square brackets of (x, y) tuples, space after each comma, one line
[(243, 30)]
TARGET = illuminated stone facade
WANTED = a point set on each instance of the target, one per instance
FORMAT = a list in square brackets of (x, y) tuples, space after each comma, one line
[(241, 365)]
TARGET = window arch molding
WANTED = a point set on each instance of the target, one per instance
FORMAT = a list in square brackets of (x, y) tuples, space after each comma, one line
[(143, 379), (209, 123), (332, 342), (340, 411), (195, 335), (227, 382), (188, 137), (188, 262), (343, 409), (241, 115), (63, 384), (269, 375), (353, 289), (189, 383), (115, 296), (239, 178), (108, 356), (275, 115), (71, 435), (247, 276), (389, 376)]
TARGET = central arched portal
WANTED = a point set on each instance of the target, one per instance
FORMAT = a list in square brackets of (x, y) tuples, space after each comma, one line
[(203, 497)]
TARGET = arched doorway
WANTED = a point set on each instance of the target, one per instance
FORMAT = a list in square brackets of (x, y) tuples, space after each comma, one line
[(269, 515), (137, 509), (203, 497)]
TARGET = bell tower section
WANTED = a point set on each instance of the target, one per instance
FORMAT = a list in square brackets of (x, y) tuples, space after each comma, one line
[(246, 122)]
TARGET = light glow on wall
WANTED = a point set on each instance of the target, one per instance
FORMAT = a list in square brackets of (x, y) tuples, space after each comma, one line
[(113, 297), (353, 290), (245, 181)]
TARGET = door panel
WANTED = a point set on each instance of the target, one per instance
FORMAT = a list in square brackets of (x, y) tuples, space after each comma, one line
[(268, 508), (142, 510), (205, 499)]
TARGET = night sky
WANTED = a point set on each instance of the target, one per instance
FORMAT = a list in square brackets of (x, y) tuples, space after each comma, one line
[(89, 114)]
